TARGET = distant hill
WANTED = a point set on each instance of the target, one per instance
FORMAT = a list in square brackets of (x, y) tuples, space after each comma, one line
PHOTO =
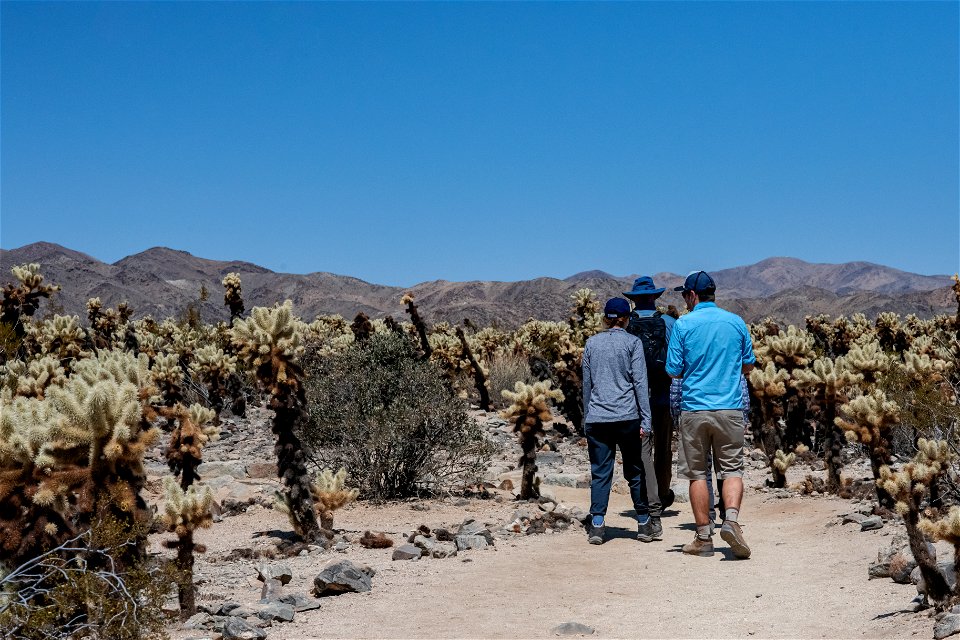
[(162, 282)]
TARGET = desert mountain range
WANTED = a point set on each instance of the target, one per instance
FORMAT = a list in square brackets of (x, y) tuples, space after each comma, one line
[(162, 282)]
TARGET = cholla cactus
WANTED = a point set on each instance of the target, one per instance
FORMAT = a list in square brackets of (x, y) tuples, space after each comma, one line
[(108, 326), (585, 318), (783, 461), (541, 338), (769, 387), (568, 369), (184, 513), (907, 488), (868, 419), (194, 429), (330, 492), (789, 350), (868, 360), (167, 377), (479, 375), (362, 328), (828, 380), (418, 323), (269, 342), (214, 368), (74, 454), (923, 367), (20, 302), (530, 409), (31, 380), (232, 295), (61, 337)]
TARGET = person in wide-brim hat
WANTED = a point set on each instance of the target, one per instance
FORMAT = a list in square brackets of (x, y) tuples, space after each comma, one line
[(643, 286)]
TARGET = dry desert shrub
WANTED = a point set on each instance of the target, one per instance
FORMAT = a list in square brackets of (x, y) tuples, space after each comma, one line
[(505, 370)]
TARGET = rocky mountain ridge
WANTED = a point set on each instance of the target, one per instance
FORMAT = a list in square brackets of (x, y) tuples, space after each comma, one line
[(163, 282)]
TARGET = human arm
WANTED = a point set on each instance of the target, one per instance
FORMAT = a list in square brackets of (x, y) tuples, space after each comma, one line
[(587, 381), (674, 364), (641, 390)]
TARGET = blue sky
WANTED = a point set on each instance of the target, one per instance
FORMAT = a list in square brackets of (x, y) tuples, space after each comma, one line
[(404, 142)]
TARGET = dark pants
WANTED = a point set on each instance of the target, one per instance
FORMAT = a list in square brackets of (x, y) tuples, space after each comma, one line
[(603, 438), (662, 447)]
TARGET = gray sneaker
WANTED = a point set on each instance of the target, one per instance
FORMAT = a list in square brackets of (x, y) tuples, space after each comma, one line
[(595, 534), (650, 530)]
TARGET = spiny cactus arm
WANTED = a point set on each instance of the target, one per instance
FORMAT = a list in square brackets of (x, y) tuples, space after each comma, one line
[(769, 382), (330, 493), (783, 461)]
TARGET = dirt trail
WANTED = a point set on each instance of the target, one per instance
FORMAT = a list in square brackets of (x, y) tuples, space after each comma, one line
[(805, 579)]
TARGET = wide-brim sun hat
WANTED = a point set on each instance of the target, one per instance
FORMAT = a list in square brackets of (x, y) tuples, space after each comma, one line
[(643, 286)]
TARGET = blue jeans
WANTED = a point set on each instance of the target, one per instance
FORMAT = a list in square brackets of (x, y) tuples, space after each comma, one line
[(603, 438)]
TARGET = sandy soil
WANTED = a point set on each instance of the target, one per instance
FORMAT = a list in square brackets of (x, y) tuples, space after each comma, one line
[(807, 577)]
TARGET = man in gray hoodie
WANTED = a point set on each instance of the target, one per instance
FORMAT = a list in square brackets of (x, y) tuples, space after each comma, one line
[(616, 408)]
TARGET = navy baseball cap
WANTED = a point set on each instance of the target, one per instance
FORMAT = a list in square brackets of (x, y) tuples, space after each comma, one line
[(698, 282), (616, 308)]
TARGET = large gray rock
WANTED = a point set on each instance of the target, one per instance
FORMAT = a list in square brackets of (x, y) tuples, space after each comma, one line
[(300, 602), (425, 544), (275, 571), (465, 542), (948, 625), (871, 524), (471, 527), (276, 612), (343, 576), (945, 567), (407, 552), (240, 629)]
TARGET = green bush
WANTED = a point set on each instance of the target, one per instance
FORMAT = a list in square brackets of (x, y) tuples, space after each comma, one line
[(388, 417)]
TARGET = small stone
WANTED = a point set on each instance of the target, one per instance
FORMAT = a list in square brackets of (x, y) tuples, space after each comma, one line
[(871, 524), (444, 550), (570, 629), (262, 470), (198, 621), (857, 518), (271, 590), (425, 543), (506, 485), (442, 535), (407, 552)]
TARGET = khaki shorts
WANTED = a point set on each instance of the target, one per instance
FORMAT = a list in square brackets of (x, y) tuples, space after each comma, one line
[(704, 431)]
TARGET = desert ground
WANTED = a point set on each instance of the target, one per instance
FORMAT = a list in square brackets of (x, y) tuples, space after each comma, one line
[(807, 576)]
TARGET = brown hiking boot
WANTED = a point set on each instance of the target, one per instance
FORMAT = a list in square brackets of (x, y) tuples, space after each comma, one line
[(699, 547), (733, 536)]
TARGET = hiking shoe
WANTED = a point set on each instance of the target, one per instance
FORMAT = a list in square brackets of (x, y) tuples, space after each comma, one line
[(733, 536), (699, 547), (595, 534), (666, 500), (647, 531)]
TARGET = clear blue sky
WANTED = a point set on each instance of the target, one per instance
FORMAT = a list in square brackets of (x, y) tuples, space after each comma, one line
[(406, 142)]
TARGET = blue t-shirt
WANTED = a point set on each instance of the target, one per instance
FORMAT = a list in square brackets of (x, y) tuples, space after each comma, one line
[(708, 347)]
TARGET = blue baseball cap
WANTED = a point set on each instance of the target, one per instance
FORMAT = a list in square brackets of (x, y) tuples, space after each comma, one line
[(698, 282), (616, 308), (643, 286)]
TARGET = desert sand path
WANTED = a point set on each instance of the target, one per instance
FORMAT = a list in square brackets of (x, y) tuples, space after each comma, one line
[(805, 580)]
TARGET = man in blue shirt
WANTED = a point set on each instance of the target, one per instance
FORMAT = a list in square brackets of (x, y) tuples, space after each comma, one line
[(654, 328), (710, 349)]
